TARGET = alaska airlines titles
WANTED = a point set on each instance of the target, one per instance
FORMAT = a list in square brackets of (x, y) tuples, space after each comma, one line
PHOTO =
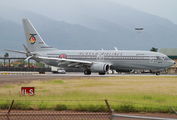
[(106, 54)]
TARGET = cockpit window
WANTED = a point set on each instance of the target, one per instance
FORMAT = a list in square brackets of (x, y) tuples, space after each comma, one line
[(162, 57), (167, 58)]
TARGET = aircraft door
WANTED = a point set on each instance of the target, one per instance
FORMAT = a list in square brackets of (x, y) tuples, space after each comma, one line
[(151, 60), (100, 57)]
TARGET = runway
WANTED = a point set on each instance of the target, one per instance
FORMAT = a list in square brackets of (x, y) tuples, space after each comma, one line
[(30, 76), (8, 77), (79, 74)]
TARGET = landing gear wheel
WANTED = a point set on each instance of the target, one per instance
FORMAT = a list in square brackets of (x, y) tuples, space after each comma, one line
[(101, 73), (157, 73), (113, 71), (87, 72)]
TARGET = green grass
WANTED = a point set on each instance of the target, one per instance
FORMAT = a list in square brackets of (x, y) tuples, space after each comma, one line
[(54, 82), (8, 86), (124, 94)]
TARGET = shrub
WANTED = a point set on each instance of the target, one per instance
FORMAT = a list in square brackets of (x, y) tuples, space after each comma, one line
[(4, 105), (125, 108), (26, 105), (42, 106), (60, 107)]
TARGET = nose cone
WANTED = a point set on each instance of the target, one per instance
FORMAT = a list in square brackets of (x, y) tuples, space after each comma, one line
[(173, 62), (170, 63)]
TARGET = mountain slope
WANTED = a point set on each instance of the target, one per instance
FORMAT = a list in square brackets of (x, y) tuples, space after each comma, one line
[(105, 15), (89, 25), (60, 35)]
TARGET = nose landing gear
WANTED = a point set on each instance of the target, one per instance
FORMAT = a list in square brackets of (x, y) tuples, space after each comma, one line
[(157, 73)]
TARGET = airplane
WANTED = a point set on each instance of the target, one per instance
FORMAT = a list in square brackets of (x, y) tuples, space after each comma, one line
[(99, 61)]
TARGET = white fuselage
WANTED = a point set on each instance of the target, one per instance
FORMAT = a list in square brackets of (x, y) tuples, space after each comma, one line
[(117, 59)]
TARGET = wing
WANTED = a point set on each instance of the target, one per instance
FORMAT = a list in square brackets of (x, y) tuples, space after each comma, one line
[(70, 62)]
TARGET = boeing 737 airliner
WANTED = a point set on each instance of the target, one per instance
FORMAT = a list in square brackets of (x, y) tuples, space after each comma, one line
[(99, 61)]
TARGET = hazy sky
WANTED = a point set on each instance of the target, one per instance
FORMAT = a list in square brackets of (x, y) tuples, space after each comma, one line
[(163, 8)]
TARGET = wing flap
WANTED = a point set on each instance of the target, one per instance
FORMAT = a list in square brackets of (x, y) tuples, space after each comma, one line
[(70, 62)]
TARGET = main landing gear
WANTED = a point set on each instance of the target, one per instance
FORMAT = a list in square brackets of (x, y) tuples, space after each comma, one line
[(87, 72), (101, 73)]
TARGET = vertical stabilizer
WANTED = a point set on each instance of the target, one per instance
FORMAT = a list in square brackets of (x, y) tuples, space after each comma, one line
[(33, 39)]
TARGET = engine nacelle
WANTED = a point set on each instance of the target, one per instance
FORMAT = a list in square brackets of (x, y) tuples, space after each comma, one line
[(100, 67)]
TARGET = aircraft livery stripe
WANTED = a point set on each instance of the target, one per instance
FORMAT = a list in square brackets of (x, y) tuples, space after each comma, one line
[(41, 42), (94, 57), (46, 47)]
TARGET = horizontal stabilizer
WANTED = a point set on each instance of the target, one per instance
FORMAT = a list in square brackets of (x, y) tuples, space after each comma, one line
[(28, 58), (16, 51)]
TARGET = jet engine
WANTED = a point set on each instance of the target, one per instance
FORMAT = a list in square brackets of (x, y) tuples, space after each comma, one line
[(100, 67)]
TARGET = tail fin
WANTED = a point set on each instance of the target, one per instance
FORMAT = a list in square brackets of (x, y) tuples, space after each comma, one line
[(34, 40)]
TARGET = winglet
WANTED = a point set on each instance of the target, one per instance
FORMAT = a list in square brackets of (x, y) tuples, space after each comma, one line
[(115, 49)]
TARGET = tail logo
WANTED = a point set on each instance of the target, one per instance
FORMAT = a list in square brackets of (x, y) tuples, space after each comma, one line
[(32, 39)]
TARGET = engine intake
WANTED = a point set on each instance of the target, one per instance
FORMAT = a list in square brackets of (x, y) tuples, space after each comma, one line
[(100, 67)]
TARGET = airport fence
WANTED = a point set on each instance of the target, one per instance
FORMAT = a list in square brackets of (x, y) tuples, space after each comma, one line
[(32, 69), (61, 113)]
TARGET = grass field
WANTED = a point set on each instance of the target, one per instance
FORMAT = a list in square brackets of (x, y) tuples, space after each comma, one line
[(124, 94)]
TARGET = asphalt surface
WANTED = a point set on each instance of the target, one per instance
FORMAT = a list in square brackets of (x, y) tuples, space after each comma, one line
[(48, 76), (24, 77)]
